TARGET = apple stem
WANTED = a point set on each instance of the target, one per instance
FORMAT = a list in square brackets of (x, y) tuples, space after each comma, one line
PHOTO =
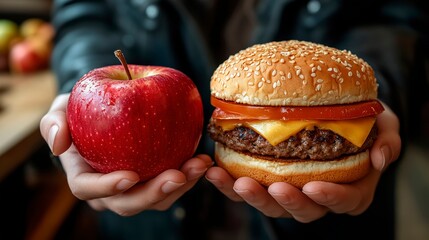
[(120, 56)]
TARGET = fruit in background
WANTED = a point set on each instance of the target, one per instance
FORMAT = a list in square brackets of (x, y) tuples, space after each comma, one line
[(35, 27), (32, 53), (29, 27), (8, 32), (46, 31), (29, 55), (148, 120)]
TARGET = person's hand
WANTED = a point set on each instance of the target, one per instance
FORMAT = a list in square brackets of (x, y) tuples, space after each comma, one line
[(317, 198), (118, 191)]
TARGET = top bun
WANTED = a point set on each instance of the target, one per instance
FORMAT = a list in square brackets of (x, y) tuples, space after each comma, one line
[(294, 73)]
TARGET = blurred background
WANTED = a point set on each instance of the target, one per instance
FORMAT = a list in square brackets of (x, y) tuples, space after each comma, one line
[(35, 202)]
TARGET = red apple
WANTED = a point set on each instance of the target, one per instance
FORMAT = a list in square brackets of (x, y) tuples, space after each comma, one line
[(29, 55), (148, 124)]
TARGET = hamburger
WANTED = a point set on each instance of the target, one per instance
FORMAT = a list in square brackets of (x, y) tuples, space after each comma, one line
[(294, 111)]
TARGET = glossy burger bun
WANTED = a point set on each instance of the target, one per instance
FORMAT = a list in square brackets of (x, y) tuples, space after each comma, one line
[(293, 73), (297, 173)]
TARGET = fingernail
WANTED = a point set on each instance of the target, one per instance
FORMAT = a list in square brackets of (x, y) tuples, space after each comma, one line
[(217, 183), (317, 196), (124, 184), (246, 194), (195, 173), (51, 137), (386, 154), (283, 199), (170, 186)]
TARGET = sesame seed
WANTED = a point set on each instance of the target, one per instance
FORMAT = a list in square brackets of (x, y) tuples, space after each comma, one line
[(274, 72), (350, 74), (301, 76), (318, 87)]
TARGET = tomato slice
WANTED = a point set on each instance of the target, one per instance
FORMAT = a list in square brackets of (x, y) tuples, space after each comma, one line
[(231, 110)]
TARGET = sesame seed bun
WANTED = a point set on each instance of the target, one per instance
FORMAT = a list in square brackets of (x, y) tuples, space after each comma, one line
[(295, 172), (294, 73)]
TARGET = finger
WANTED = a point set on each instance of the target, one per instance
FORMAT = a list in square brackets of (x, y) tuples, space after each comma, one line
[(148, 195), (223, 182), (297, 204), (54, 128), (55, 131), (387, 147), (196, 167), (60, 102), (258, 197), (352, 198), (96, 204), (193, 169), (87, 184)]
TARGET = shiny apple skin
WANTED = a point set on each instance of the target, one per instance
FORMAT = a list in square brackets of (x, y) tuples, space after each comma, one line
[(148, 124)]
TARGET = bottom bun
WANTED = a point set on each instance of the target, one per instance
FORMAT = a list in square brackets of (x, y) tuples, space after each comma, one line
[(297, 173)]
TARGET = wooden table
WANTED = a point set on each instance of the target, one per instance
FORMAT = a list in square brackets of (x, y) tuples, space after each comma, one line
[(24, 99)]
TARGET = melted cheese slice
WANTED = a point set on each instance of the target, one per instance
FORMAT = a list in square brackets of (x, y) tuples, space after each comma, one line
[(276, 131)]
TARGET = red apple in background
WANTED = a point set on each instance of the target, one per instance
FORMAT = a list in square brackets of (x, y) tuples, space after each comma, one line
[(29, 55), (148, 124)]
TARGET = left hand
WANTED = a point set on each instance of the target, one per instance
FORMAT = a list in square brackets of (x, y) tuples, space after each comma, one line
[(317, 198)]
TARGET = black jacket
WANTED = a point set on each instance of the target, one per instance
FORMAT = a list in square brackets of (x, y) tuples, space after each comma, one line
[(195, 36)]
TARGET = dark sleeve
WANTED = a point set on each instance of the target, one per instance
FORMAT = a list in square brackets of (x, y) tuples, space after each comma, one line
[(395, 47), (85, 38)]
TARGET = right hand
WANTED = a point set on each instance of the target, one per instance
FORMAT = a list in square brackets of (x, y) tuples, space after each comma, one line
[(118, 191)]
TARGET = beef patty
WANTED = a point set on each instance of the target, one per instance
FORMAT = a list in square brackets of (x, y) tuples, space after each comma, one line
[(317, 144)]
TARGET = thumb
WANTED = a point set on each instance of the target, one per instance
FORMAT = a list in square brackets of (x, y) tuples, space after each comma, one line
[(387, 147), (54, 128)]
